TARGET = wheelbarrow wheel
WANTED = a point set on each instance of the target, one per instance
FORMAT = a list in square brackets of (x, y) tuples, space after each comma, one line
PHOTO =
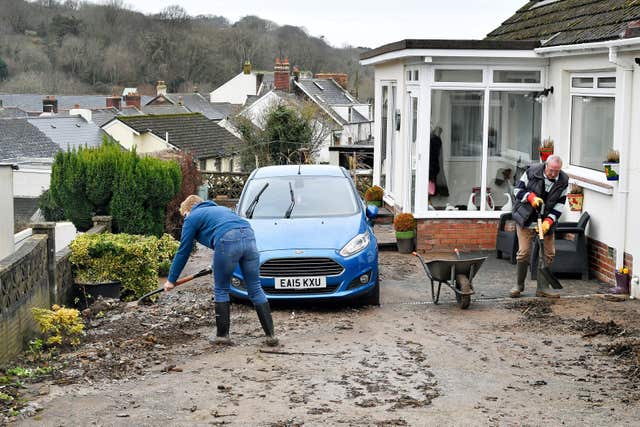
[(463, 285)]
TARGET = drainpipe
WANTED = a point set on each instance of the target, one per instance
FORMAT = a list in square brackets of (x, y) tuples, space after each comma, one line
[(623, 135)]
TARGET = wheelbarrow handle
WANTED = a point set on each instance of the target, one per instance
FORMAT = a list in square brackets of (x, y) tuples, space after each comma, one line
[(179, 282)]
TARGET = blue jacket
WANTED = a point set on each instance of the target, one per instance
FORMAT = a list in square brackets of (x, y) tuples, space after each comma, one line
[(206, 223)]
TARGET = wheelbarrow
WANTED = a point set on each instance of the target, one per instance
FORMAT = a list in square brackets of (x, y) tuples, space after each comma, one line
[(457, 274)]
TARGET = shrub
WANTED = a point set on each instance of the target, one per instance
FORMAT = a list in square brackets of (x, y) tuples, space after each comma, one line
[(373, 193), (134, 260), (142, 189), (191, 180), (404, 222), (108, 180), (60, 326), (49, 208)]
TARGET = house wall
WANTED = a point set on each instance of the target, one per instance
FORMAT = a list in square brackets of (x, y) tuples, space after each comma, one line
[(609, 212), (235, 91), (144, 143), (31, 181)]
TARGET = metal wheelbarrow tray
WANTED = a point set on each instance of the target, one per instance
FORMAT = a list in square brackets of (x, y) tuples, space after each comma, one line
[(457, 274)]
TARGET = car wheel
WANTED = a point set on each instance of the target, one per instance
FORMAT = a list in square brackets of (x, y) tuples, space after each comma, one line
[(373, 297)]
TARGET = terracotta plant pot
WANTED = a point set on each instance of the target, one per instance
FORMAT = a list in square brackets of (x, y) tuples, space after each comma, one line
[(575, 202)]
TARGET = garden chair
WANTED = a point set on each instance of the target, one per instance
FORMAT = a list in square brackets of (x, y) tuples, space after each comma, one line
[(507, 239), (571, 249)]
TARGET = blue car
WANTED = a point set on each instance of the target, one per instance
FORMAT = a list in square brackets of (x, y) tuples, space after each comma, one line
[(314, 235)]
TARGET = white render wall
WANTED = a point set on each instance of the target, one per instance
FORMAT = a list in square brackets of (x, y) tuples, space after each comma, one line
[(6, 210), (606, 219), (31, 181), (235, 91)]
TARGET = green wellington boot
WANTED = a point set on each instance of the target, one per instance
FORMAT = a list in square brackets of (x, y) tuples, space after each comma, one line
[(521, 273)]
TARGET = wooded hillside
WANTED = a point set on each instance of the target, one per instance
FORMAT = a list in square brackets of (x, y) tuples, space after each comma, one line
[(48, 46)]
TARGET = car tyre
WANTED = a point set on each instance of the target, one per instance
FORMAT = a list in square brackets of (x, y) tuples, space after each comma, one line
[(373, 297)]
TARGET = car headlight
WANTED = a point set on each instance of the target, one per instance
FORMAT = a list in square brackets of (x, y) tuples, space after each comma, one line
[(356, 244)]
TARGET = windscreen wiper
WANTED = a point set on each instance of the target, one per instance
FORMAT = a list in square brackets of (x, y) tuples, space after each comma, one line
[(293, 203), (249, 212)]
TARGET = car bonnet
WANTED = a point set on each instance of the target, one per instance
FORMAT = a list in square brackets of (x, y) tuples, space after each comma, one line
[(306, 233)]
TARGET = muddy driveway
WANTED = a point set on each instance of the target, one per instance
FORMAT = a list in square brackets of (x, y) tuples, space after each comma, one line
[(408, 362)]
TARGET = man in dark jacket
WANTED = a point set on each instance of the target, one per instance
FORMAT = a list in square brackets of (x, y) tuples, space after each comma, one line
[(541, 184), (232, 237)]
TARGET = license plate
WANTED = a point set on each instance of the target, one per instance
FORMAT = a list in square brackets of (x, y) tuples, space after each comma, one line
[(301, 282)]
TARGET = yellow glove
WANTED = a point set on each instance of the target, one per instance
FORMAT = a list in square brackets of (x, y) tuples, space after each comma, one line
[(546, 225), (534, 200)]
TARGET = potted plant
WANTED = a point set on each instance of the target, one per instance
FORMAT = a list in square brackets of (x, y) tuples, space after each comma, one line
[(546, 149), (612, 165), (373, 195), (405, 226), (575, 197), (118, 265), (622, 282)]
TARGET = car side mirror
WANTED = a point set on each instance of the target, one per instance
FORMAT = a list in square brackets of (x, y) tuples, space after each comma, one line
[(372, 211)]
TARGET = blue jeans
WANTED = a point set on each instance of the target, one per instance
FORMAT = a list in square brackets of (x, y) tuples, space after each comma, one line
[(237, 246)]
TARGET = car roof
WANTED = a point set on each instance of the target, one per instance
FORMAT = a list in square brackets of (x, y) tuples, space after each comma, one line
[(305, 170)]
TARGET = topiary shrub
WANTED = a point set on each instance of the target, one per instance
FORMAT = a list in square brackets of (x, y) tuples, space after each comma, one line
[(404, 222), (134, 260), (373, 194)]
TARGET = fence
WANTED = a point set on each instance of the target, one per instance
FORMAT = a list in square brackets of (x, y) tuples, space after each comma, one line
[(35, 275)]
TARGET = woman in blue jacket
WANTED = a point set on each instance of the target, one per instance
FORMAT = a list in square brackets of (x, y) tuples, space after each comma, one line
[(232, 237)]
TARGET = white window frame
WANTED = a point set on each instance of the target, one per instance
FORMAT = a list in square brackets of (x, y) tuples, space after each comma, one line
[(486, 86), (593, 91)]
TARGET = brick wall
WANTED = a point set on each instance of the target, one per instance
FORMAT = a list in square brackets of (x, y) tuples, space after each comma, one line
[(464, 234), (602, 261)]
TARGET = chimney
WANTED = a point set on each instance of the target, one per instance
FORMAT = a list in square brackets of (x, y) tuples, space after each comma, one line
[(340, 78), (85, 113), (632, 30), (281, 75), (246, 68), (113, 102), (161, 88), (50, 104), (132, 100)]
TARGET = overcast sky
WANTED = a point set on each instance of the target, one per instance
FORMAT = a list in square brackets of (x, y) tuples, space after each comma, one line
[(368, 23)]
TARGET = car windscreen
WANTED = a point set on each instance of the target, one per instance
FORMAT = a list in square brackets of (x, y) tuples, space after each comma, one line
[(313, 196)]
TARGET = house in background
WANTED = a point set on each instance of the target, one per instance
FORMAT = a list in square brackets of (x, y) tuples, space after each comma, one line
[(348, 122), (177, 103), (469, 115), (246, 85), (215, 148), (31, 145)]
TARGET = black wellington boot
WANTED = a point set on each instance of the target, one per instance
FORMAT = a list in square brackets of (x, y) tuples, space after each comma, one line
[(223, 315), (521, 272), (264, 314)]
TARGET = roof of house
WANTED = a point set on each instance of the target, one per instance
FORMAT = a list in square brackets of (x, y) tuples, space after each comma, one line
[(191, 132), (451, 44), (12, 113), (563, 22), (30, 102), (19, 139), (69, 132), (329, 94), (190, 102)]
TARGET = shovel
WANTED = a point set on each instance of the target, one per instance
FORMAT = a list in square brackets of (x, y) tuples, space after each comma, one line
[(545, 277), (179, 282)]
